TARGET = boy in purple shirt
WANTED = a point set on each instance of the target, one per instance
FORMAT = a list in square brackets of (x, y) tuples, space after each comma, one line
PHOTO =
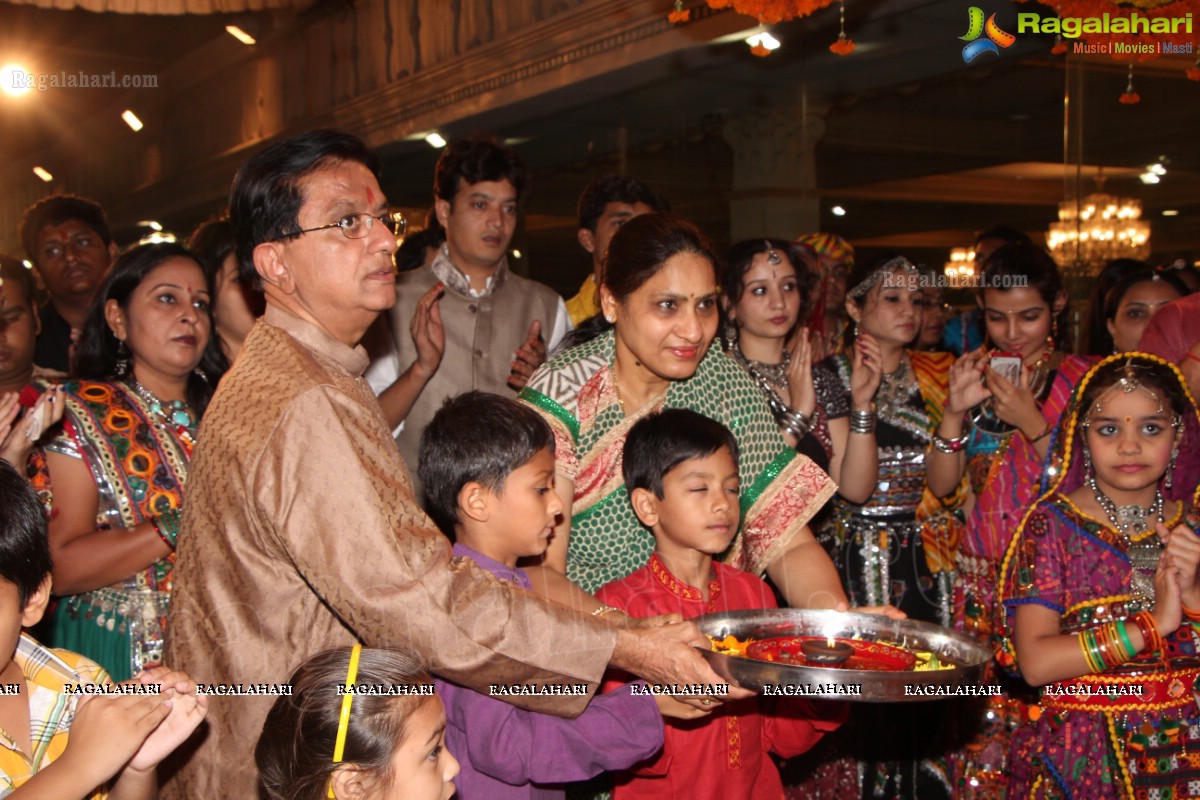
[(487, 465)]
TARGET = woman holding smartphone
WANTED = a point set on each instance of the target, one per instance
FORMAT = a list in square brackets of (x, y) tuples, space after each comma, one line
[(998, 432)]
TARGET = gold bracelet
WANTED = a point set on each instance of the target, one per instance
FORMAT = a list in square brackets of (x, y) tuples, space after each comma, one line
[(602, 610)]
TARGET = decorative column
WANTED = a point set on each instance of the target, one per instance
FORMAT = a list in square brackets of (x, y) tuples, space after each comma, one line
[(774, 172)]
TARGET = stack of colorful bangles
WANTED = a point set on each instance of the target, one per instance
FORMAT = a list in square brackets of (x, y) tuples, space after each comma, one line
[(167, 524), (1108, 646)]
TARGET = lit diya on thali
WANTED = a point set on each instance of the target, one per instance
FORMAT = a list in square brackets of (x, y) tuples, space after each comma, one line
[(867, 657), (815, 651)]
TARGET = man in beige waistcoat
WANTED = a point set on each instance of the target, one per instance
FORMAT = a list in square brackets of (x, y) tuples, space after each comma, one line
[(498, 325)]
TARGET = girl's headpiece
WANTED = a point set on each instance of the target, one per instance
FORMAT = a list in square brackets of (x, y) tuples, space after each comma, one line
[(1126, 384), (897, 264)]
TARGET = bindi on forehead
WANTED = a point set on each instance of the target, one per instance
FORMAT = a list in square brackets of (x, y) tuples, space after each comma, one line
[(1030, 310)]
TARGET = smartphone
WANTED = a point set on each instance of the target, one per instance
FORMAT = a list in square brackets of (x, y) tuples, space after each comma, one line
[(1008, 365)]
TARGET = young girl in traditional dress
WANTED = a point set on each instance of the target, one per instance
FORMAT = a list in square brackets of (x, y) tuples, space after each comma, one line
[(360, 723), (892, 541), (1102, 596)]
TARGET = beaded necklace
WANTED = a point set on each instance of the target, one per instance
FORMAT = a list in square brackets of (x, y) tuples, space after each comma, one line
[(175, 416)]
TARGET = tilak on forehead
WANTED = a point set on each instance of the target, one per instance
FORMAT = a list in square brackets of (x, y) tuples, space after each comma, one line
[(897, 264)]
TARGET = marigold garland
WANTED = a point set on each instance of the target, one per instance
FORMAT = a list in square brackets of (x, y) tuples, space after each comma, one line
[(1129, 96), (769, 12), (760, 51), (1193, 74), (844, 46), (680, 15)]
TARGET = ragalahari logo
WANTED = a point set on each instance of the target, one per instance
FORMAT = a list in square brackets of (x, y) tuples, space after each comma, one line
[(995, 36)]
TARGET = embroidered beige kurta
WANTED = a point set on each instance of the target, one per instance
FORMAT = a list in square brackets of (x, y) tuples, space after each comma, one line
[(300, 533)]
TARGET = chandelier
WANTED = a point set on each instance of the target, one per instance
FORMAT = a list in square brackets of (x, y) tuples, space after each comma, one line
[(1097, 229), (960, 269)]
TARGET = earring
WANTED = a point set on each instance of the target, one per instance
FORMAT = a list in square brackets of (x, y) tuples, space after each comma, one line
[(1167, 477), (1087, 463), (201, 374), (730, 335), (1052, 339), (122, 365)]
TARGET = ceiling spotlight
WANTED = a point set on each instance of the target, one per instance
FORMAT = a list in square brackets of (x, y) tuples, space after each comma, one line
[(151, 224), (157, 237), (1150, 178), (764, 40), (838, 211), (1170, 212), (25, 262), (43, 174), (1157, 169), (131, 119), (516, 253), (240, 34), (435, 140), (15, 80)]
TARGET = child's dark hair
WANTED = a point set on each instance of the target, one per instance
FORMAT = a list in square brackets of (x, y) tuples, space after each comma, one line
[(661, 442), (476, 437), (295, 751), (24, 542)]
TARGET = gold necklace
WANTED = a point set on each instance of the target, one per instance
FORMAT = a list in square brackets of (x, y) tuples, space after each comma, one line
[(617, 388)]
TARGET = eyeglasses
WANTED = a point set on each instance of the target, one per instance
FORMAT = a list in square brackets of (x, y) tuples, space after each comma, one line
[(358, 226)]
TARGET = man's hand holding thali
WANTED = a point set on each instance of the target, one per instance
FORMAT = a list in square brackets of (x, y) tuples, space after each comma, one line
[(667, 655)]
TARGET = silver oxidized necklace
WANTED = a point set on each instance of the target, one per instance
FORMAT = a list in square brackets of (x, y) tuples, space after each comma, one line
[(1135, 525)]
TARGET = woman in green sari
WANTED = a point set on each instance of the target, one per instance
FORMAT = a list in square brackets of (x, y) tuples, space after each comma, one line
[(659, 294)]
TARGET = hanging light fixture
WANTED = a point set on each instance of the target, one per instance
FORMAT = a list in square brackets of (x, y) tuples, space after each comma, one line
[(960, 269), (1097, 229)]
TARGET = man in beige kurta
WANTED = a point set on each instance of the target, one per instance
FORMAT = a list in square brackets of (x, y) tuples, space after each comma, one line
[(300, 530)]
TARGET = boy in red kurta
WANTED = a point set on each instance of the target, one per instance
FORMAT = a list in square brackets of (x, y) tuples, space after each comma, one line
[(682, 476)]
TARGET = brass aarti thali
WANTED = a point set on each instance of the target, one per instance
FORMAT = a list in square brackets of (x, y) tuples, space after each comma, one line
[(882, 668)]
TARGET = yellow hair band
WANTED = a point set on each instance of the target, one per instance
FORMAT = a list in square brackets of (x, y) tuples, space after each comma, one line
[(339, 745)]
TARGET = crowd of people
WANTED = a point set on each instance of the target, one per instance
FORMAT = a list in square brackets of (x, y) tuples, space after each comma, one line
[(296, 458)]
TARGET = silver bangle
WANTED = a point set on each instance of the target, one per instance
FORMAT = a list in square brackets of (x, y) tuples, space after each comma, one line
[(951, 446), (796, 423), (862, 421)]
